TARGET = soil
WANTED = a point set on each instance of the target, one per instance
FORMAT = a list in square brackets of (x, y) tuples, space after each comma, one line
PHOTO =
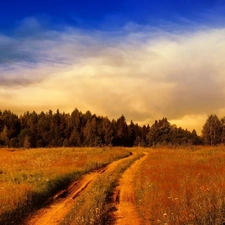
[(124, 197), (64, 200)]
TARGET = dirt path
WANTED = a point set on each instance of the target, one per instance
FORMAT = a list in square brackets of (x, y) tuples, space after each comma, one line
[(126, 213), (64, 200)]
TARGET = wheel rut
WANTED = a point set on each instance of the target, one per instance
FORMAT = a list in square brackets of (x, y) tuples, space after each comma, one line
[(64, 200), (62, 203), (124, 197)]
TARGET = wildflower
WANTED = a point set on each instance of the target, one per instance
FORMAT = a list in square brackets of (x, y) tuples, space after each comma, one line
[(164, 214)]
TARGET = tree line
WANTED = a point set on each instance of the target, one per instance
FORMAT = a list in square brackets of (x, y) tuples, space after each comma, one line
[(213, 132), (48, 129)]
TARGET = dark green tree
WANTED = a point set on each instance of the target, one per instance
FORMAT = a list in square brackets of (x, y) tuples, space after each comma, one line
[(106, 131), (212, 130), (159, 133), (121, 132)]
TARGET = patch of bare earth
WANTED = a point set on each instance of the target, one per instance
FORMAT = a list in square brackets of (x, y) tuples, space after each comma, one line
[(64, 200), (62, 203), (124, 197)]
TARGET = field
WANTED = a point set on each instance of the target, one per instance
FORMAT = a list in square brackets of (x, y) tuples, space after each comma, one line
[(182, 187), (29, 177), (168, 186)]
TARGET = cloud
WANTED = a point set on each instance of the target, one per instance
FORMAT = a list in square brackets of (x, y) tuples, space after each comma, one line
[(144, 73), (11, 51), (29, 26)]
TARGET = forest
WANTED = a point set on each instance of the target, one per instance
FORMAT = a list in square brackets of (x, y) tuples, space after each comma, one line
[(49, 129)]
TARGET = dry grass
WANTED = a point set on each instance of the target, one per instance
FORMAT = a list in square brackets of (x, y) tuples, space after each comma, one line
[(182, 187), (29, 177), (94, 207), (173, 186)]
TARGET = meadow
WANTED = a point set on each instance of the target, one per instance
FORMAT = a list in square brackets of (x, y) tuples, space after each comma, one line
[(182, 186), (96, 205), (172, 186), (29, 177)]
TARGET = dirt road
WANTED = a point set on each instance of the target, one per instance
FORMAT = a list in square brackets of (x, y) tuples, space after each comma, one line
[(65, 199), (126, 213), (62, 202)]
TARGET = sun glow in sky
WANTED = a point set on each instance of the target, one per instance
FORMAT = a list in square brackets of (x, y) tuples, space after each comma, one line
[(143, 59)]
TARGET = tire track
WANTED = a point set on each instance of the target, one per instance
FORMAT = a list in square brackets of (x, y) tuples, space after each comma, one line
[(64, 200), (62, 203), (124, 197)]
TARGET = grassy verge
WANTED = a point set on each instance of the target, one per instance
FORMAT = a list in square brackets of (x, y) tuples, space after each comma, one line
[(29, 177), (182, 187), (94, 207)]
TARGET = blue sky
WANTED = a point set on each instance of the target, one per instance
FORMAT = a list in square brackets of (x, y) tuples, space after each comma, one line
[(143, 59), (98, 14)]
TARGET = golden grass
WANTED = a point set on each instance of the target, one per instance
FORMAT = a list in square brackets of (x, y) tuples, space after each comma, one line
[(94, 206), (29, 177), (182, 187)]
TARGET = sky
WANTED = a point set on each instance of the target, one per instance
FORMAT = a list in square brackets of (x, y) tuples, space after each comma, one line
[(142, 59)]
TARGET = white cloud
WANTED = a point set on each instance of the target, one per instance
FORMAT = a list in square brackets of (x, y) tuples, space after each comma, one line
[(145, 74)]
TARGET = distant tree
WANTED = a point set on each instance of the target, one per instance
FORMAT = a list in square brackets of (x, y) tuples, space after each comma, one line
[(1, 123), (14, 143), (77, 129), (212, 130), (133, 131), (43, 130), (159, 133), (196, 140), (26, 143), (65, 128), (91, 136), (74, 139), (121, 132), (4, 136), (11, 121), (76, 117), (144, 132), (106, 131), (223, 130), (56, 129), (27, 138)]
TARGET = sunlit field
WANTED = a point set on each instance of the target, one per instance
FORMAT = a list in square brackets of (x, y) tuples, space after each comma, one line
[(29, 177), (182, 186), (94, 206), (172, 186)]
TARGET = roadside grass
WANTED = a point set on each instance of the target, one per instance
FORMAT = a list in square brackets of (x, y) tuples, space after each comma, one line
[(182, 186), (94, 206), (28, 178)]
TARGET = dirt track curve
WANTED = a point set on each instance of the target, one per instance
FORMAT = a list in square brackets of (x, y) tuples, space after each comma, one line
[(65, 199), (62, 202), (126, 213)]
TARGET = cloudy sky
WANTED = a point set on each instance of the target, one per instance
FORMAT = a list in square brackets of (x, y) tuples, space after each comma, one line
[(142, 59)]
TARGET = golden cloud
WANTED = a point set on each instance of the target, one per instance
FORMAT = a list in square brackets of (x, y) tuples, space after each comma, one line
[(145, 75)]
